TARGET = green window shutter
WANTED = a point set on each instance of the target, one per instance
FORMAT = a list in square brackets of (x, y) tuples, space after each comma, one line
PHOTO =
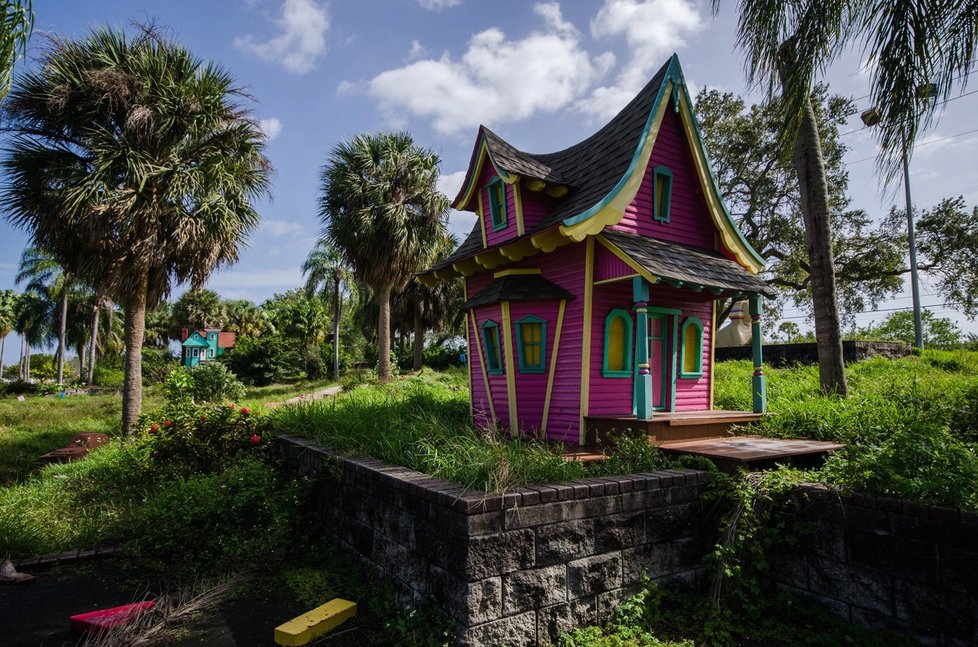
[(497, 203), (661, 193), (691, 359), (617, 344), (490, 340), (531, 340)]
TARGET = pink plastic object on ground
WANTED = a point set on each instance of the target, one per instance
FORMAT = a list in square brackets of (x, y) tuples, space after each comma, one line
[(103, 619)]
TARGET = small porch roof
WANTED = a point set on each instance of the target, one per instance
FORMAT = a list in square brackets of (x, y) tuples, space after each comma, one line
[(521, 287), (682, 265)]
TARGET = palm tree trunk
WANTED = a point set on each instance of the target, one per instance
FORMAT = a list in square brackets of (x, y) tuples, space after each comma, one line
[(418, 338), (384, 335), (27, 363), (336, 330), (135, 327), (62, 326), (813, 188), (93, 342), (3, 342), (82, 351), (23, 355)]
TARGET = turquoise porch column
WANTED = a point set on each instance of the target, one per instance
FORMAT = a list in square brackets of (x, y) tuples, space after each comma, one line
[(643, 379), (758, 381)]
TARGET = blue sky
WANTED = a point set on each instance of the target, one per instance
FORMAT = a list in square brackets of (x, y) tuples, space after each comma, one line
[(543, 75)]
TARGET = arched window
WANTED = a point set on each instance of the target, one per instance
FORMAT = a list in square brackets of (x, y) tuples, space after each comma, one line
[(617, 344), (490, 339), (497, 203), (691, 364), (661, 193), (531, 340)]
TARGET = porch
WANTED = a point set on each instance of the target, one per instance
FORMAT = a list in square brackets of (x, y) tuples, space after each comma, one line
[(666, 426)]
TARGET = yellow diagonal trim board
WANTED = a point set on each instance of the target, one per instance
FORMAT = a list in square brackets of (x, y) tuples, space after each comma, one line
[(482, 364), (514, 425), (315, 623)]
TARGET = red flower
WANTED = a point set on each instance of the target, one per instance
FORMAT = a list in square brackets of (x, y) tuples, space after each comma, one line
[(245, 410), (154, 428), (255, 439), (203, 418), (167, 423), (231, 406)]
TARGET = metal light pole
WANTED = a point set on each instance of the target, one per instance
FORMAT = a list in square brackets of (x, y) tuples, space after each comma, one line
[(870, 118)]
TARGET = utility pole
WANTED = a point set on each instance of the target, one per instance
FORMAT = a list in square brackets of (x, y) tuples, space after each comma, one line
[(918, 326)]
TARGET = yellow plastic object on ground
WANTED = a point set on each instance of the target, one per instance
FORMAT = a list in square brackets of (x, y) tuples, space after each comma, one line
[(315, 623)]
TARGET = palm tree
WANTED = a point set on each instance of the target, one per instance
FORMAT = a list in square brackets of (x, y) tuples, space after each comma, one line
[(197, 310), (247, 319), (325, 272), (45, 274), (32, 321), (913, 42), (381, 209), (8, 308), (143, 154), (16, 18)]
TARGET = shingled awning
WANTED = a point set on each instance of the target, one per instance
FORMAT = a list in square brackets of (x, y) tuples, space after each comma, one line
[(519, 287), (690, 266)]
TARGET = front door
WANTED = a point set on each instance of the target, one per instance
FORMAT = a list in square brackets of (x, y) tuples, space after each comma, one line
[(659, 352)]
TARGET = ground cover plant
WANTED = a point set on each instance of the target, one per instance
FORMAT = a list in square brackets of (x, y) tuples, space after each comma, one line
[(910, 425), (423, 422)]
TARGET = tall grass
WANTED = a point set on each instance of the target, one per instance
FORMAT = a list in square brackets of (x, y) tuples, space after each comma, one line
[(423, 422)]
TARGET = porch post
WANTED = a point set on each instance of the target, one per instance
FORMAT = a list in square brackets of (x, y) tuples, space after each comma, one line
[(643, 379), (758, 382)]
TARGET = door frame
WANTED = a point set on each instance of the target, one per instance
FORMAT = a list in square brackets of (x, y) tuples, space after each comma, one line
[(670, 317)]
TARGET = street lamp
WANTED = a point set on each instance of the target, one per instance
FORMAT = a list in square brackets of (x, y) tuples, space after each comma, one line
[(870, 118)]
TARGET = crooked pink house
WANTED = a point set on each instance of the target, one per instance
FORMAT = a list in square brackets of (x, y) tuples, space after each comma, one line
[(592, 275)]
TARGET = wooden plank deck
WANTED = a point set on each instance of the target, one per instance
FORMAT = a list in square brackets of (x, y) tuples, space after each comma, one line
[(754, 452), (667, 426)]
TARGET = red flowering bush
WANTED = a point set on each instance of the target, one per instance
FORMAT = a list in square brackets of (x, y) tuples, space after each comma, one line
[(204, 438)]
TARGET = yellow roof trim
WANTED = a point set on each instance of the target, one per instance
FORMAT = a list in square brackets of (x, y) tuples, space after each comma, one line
[(517, 272)]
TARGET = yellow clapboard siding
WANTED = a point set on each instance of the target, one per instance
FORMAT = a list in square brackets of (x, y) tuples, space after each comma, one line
[(315, 623)]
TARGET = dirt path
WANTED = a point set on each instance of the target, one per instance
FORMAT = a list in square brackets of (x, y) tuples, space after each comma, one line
[(328, 392)]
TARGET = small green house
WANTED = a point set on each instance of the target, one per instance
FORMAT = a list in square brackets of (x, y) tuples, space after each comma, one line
[(204, 345)]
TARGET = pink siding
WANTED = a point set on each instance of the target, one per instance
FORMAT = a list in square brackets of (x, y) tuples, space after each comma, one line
[(608, 396), (689, 219), (497, 383), (607, 265), (536, 206), (531, 388)]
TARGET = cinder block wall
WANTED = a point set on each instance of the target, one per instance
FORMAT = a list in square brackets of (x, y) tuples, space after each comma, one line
[(886, 563), (518, 568)]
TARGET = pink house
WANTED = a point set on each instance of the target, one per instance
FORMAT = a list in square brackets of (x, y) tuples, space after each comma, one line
[(592, 274)]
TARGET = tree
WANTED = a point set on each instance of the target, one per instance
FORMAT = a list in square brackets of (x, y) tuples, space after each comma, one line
[(45, 275), (912, 42), (8, 309), (898, 326), (247, 319), (325, 273), (197, 310), (760, 188), (16, 20), (144, 154), (381, 209), (32, 321), (304, 320)]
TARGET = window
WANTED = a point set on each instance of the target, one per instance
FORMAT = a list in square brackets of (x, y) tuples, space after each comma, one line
[(692, 355), (617, 344), (497, 203), (531, 335), (661, 193), (490, 338)]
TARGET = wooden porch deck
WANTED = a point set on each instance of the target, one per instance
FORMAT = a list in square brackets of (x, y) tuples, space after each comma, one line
[(754, 452), (667, 426)]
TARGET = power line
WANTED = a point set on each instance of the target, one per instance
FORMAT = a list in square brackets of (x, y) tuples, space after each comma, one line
[(936, 306), (960, 76), (921, 145), (966, 94)]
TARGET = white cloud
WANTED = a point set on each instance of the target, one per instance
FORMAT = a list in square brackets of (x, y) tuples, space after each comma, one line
[(438, 5), (274, 279), (417, 51), (481, 86), (652, 29), (459, 222), (302, 40), (277, 228), (272, 127)]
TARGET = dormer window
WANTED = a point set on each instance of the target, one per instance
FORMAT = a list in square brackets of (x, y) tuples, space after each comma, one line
[(661, 193), (497, 203)]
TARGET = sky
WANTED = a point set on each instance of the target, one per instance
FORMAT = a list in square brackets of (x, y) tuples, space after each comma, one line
[(543, 75)]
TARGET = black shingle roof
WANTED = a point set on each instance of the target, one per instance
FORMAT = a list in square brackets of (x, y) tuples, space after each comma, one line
[(521, 287), (687, 264)]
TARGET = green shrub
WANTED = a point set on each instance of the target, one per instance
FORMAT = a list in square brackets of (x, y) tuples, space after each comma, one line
[(243, 515), (108, 377), (194, 438), (213, 382), (269, 359), (157, 364)]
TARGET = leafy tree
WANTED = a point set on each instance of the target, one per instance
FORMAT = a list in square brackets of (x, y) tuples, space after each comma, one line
[(16, 20), (325, 272), (268, 360), (381, 209), (898, 326), (911, 42), (159, 326), (32, 321), (247, 319), (304, 320), (759, 186), (197, 310), (141, 153)]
